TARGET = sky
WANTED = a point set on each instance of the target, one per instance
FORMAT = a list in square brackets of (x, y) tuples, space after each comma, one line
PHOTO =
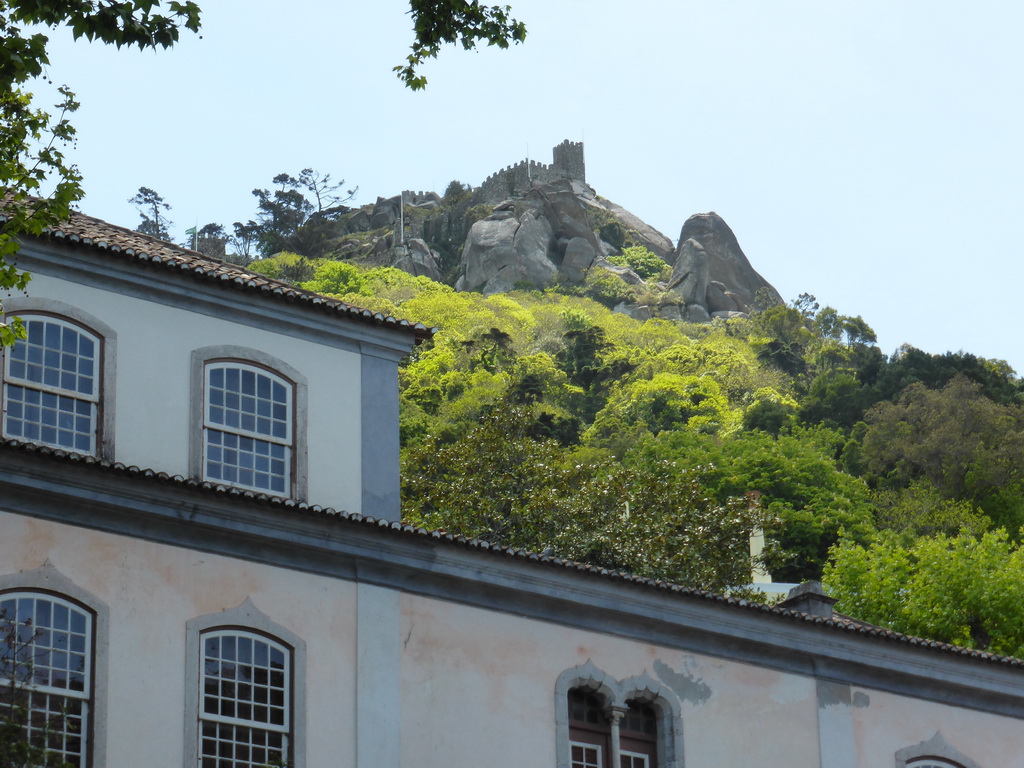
[(867, 152)]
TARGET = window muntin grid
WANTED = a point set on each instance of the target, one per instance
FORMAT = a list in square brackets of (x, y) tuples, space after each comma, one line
[(245, 708), (51, 390), (585, 755), (46, 646), (633, 759), (247, 428)]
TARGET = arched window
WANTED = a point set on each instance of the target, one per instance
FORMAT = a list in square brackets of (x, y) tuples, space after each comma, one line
[(638, 736), (52, 385), (248, 421), (245, 715), (46, 649), (245, 691), (601, 722), (248, 427), (935, 752), (589, 730)]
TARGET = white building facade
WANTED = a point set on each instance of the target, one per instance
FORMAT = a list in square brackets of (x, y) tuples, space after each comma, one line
[(177, 436)]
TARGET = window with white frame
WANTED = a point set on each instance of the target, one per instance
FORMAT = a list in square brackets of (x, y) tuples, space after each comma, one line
[(248, 427), (45, 671), (594, 741), (638, 736), (245, 707), (589, 730), (51, 391)]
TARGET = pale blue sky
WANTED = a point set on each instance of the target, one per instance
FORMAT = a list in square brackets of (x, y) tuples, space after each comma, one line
[(865, 151)]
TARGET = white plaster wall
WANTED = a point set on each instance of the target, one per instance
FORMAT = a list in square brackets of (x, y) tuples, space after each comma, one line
[(498, 671), (154, 346), (152, 590), (885, 723), (444, 684), (478, 683)]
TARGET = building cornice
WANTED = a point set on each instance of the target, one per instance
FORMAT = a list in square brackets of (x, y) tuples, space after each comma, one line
[(86, 492)]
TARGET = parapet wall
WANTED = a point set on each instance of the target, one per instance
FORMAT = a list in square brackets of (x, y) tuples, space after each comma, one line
[(516, 180)]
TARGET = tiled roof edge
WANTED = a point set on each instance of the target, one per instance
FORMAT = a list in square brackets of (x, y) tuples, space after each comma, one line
[(223, 273), (841, 624)]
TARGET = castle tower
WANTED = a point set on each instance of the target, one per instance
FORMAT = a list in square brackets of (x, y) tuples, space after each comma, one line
[(568, 160)]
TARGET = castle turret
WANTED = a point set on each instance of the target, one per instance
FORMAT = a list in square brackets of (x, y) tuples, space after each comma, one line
[(568, 160), (516, 180)]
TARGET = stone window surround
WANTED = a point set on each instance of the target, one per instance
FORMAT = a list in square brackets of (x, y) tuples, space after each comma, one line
[(300, 416), (935, 752), (245, 618), (29, 305), (48, 580), (616, 693)]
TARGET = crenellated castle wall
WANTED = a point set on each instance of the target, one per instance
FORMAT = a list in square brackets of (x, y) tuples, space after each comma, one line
[(515, 180)]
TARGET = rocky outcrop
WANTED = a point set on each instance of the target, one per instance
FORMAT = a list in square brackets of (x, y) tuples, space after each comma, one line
[(385, 212), (731, 281), (417, 258), (639, 232), (690, 274), (554, 231), (529, 242)]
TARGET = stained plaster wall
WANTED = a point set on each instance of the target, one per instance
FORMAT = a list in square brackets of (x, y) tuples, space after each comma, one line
[(152, 590), (394, 678), (154, 346), (881, 723), (498, 672)]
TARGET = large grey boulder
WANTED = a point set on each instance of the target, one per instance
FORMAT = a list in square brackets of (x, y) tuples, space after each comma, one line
[(639, 312), (726, 261), (501, 252), (579, 257), (385, 212), (695, 313), (358, 221), (690, 274), (417, 258), (721, 299), (534, 241), (489, 250), (529, 242), (560, 206)]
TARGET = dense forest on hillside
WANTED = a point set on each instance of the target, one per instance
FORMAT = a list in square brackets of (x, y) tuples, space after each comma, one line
[(542, 419)]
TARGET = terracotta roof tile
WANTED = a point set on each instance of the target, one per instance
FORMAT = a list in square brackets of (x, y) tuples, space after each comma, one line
[(87, 231)]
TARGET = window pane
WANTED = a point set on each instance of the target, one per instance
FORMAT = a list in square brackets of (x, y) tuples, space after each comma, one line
[(45, 640), (61, 359), (256, 733), (585, 756)]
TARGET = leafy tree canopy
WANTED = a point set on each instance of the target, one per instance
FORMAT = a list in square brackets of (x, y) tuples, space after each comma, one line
[(466, 22), (957, 589), (39, 183), (657, 522)]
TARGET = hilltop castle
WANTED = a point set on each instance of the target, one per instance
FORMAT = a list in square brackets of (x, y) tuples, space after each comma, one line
[(567, 163)]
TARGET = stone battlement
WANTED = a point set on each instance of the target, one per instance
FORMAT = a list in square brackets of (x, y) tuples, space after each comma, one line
[(514, 180)]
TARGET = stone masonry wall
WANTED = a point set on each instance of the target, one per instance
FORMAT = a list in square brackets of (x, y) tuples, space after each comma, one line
[(515, 180)]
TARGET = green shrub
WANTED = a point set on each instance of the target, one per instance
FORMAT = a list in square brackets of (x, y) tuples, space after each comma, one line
[(335, 278), (646, 264)]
